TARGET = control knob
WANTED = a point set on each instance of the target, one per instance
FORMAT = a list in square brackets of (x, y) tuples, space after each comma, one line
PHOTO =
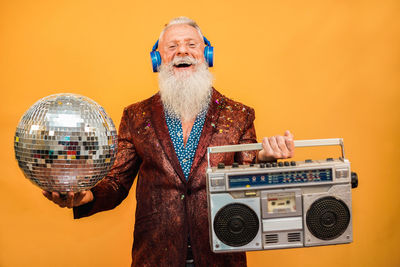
[(354, 180)]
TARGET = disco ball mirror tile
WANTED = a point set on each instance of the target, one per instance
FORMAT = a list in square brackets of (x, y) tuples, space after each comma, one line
[(65, 142)]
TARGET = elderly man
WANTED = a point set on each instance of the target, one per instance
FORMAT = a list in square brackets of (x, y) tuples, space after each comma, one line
[(164, 139)]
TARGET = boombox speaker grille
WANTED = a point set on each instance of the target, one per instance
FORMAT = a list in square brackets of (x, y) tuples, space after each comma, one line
[(236, 224), (328, 218)]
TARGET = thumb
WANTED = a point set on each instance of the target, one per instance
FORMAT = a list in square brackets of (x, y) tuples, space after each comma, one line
[(289, 134)]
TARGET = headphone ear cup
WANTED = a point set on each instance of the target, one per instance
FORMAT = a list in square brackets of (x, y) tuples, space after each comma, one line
[(155, 60), (209, 55)]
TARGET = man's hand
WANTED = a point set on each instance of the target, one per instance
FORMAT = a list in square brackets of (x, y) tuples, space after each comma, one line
[(277, 147), (71, 199)]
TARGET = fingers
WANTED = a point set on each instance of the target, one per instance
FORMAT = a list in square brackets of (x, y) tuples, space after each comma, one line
[(70, 200), (278, 147), (62, 200), (56, 198), (277, 154), (79, 198), (281, 140), (269, 152), (288, 134), (289, 140), (47, 195), (278, 144)]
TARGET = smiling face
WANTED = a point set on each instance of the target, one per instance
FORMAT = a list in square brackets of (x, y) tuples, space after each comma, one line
[(181, 45)]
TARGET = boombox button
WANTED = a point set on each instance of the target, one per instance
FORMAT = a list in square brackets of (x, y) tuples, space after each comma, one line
[(218, 182), (280, 164), (308, 160), (250, 194), (262, 165), (269, 165), (274, 164), (286, 163), (329, 159), (342, 173), (221, 165), (293, 163), (235, 165)]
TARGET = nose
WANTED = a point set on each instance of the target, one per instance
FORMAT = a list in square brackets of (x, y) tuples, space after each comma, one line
[(182, 50)]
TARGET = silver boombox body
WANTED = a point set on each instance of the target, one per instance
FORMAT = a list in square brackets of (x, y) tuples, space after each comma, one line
[(279, 205)]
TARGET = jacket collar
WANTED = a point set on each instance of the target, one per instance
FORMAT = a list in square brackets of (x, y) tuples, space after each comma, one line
[(209, 129), (162, 133)]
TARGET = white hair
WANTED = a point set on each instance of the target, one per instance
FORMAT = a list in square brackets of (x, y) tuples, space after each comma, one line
[(181, 20)]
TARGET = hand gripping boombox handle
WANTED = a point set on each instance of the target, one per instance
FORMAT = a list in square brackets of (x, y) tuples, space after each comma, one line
[(258, 146)]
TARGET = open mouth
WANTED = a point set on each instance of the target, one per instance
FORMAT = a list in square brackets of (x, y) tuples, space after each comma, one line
[(182, 65)]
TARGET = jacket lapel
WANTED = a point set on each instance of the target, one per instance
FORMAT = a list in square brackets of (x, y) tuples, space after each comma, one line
[(162, 133), (209, 128)]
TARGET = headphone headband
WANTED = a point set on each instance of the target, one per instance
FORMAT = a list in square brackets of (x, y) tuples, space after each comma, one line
[(206, 42), (155, 46)]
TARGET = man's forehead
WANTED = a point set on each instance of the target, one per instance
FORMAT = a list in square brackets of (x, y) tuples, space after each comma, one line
[(180, 32)]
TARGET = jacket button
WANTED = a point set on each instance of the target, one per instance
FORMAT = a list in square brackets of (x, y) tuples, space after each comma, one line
[(188, 192)]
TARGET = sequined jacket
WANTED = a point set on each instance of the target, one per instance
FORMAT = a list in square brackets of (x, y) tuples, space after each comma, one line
[(169, 207)]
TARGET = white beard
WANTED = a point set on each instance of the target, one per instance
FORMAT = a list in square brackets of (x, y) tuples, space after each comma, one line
[(185, 94)]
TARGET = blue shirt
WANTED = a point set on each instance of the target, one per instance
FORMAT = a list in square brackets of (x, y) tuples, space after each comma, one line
[(185, 153)]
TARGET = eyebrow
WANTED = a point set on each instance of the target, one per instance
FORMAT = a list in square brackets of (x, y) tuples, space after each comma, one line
[(185, 40)]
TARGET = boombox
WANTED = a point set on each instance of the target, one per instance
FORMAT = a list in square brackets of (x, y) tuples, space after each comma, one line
[(284, 204)]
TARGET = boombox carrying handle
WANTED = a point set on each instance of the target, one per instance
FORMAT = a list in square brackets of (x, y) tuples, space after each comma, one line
[(258, 146)]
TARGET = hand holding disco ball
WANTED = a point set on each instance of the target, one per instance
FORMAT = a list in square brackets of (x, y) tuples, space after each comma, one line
[(70, 199), (66, 144)]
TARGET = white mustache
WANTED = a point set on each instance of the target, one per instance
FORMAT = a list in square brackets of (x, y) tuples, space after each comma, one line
[(184, 60)]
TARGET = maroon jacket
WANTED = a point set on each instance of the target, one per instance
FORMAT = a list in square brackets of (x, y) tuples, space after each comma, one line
[(169, 207)]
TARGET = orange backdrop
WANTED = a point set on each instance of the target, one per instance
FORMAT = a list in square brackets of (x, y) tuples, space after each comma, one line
[(322, 69)]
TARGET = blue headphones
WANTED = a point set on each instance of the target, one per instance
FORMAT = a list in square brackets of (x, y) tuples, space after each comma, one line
[(208, 55)]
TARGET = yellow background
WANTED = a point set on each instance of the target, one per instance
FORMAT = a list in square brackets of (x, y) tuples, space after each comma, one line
[(322, 69)]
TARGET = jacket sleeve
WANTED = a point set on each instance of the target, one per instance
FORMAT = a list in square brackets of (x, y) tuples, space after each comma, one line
[(114, 188), (248, 136)]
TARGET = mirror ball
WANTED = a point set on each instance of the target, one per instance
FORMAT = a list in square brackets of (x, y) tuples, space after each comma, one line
[(65, 142)]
